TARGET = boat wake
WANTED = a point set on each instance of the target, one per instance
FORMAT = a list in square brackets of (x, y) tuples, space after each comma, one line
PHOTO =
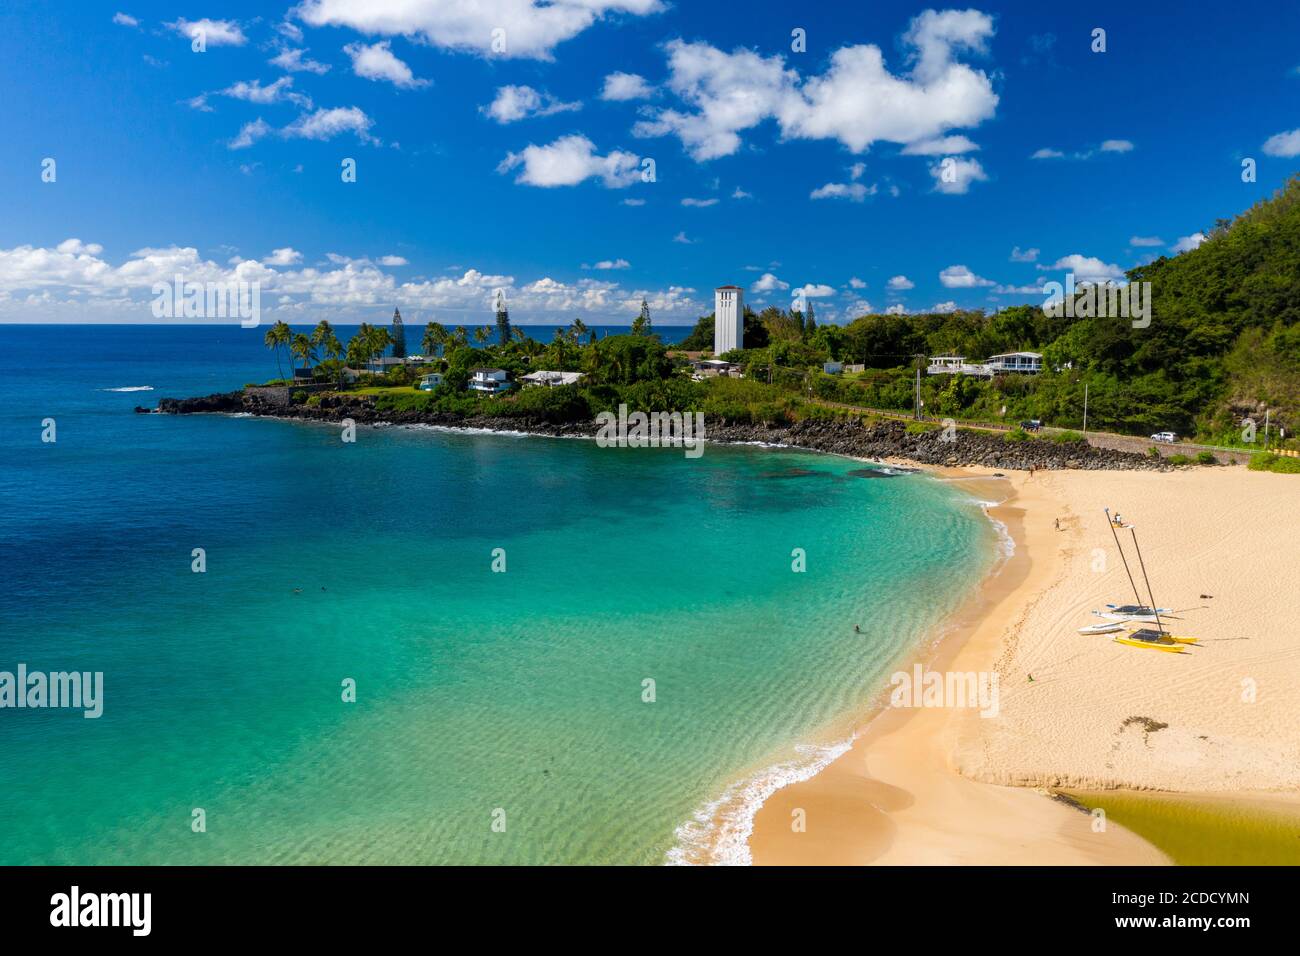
[(129, 388)]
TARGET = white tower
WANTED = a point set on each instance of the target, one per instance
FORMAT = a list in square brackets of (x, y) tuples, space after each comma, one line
[(728, 319)]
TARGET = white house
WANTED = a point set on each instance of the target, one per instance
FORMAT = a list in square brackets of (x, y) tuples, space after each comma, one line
[(1029, 362), (953, 364), (712, 368), (488, 381), (832, 368), (431, 381), (728, 319), (550, 379)]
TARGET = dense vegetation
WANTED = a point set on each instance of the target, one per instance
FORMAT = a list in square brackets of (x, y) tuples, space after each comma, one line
[(1223, 344)]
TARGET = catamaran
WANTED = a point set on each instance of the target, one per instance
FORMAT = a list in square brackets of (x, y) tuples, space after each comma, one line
[(1155, 640)]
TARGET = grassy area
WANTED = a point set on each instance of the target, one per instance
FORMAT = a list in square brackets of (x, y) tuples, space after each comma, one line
[(1204, 830), (1281, 464)]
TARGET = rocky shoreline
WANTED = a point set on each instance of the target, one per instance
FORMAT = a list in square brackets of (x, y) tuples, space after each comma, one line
[(884, 439)]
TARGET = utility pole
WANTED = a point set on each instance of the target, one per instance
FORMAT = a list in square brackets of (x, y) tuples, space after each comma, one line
[(1267, 412), (916, 409), (1085, 409)]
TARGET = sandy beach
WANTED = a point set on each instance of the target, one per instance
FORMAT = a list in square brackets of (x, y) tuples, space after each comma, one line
[(937, 785)]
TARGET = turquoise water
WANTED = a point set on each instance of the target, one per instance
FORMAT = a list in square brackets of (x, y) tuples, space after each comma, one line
[(480, 695)]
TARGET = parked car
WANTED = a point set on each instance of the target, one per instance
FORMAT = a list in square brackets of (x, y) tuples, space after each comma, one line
[(1168, 437), (1032, 425)]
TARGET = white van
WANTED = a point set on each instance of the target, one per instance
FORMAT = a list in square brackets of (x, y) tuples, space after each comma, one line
[(1169, 437)]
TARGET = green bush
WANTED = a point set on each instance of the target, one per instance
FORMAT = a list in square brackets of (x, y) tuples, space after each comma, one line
[(1179, 459), (1016, 434), (1206, 458), (1281, 464), (299, 396), (1068, 436), (1153, 452)]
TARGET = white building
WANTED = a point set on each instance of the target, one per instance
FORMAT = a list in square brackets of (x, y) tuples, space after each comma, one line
[(488, 381), (549, 379), (1028, 362), (431, 381), (1031, 362), (728, 319)]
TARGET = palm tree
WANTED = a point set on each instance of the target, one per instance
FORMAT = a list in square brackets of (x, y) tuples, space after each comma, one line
[(303, 348), (377, 339), (577, 329), (435, 337), (482, 334), (459, 336), (276, 336), (359, 347)]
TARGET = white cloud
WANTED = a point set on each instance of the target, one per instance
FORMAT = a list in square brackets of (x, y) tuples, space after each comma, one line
[(88, 288), (75, 247), (125, 20), (393, 261), (514, 103), (941, 146), (287, 256), (1146, 241), (856, 283), (250, 133), (1047, 153), (377, 62), (570, 160), (214, 32), (699, 203), (767, 282), (954, 176), (960, 277), (609, 264), (1024, 255), (896, 309), (1188, 243), (944, 307), (621, 87), (900, 283), (812, 291), (857, 101), (1086, 268), (1284, 145), (856, 192), (328, 123), (682, 238), (856, 171), (739, 193), (254, 92), (1116, 146), (292, 61), (199, 103), (633, 202), (531, 29)]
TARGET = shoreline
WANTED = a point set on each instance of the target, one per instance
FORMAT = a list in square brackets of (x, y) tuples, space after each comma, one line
[(892, 797), (941, 786)]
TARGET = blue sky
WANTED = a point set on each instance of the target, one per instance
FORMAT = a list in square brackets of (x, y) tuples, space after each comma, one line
[(480, 167)]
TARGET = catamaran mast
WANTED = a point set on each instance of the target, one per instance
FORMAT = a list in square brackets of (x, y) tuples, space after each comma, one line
[(1114, 535), (1154, 609)]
